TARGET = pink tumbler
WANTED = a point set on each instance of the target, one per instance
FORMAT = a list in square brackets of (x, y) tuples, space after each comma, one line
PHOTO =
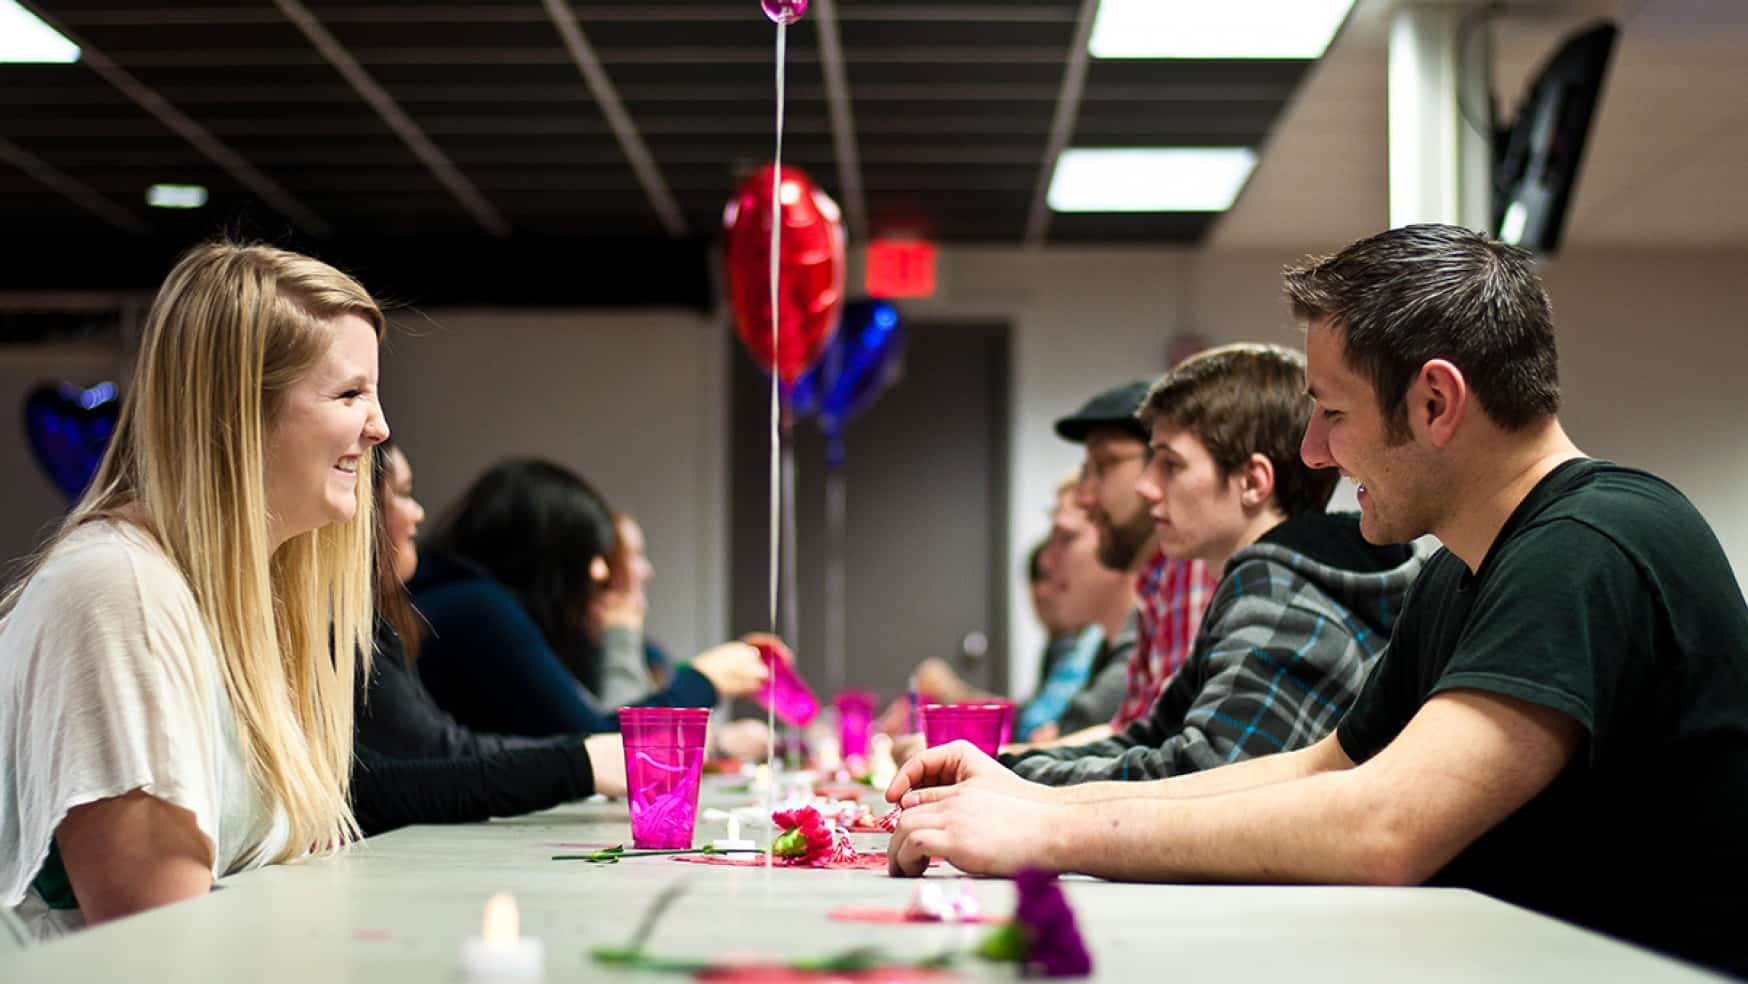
[(855, 720), (785, 692), (664, 755), (1007, 720), (980, 724)]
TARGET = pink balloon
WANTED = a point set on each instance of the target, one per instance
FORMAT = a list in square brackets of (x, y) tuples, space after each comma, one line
[(784, 11)]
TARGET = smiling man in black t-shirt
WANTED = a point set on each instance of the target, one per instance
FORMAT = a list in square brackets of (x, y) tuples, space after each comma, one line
[(1562, 717)]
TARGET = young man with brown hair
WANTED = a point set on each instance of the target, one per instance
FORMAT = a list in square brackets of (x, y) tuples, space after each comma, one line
[(1303, 606), (1562, 717)]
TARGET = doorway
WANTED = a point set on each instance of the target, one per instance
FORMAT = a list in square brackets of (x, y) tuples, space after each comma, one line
[(925, 516)]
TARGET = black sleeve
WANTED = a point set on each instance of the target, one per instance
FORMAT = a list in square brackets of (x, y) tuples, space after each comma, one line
[(1563, 620), (388, 793), (397, 716)]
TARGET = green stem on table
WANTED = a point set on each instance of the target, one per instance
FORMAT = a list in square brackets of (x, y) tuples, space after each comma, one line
[(613, 854)]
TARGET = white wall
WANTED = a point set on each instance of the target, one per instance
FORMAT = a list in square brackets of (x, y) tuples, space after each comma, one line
[(633, 401), (1654, 370)]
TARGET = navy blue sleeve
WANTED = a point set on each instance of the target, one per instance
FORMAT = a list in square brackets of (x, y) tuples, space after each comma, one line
[(688, 688), (388, 793), (487, 664)]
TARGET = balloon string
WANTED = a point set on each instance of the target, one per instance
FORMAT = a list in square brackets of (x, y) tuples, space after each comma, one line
[(776, 434), (776, 360)]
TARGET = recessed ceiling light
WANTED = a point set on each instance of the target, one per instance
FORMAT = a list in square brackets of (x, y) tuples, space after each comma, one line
[(1216, 28), (1149, 179), (175, 196), (25, 39)]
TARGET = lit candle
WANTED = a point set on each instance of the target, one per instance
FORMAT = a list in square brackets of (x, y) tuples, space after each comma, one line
[(734, 841), (500, 952)]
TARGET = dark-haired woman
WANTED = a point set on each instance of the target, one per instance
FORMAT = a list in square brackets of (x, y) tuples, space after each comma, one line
[(507, 585), (415, 763)]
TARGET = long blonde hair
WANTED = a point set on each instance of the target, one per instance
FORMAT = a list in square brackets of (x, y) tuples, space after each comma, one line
[(231, 329)]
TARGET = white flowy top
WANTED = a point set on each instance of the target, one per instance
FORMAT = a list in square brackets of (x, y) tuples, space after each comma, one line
[(109, 682)]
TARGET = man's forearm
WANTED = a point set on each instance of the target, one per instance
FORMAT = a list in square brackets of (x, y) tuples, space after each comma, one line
[(1319, 829), (1085, 736), (1267, 770)]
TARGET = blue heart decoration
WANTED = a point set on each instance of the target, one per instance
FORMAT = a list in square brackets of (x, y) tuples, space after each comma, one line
[(864, 357), (69, 428)]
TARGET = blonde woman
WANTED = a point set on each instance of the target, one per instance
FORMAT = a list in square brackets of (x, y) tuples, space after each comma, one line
[(171, 707)]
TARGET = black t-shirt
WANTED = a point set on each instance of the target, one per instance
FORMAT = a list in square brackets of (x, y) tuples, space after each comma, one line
[(1607, 597)]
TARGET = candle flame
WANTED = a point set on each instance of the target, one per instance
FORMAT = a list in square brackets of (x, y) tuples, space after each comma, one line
[(502, 923)]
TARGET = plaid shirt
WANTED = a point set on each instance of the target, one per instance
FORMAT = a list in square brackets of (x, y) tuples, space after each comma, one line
[(1172, 595), (1285, 651)]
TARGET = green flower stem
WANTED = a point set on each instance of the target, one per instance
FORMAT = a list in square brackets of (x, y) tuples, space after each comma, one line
[(790, 844), (613, 854)]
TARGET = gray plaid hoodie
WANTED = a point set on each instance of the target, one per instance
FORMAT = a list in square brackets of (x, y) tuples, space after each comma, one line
[(1297, 623)]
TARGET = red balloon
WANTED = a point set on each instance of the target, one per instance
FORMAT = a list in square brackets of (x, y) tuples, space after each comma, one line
[(810, 263)]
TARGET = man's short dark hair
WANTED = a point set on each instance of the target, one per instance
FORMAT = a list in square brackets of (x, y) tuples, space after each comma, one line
[(1240, 400), (1423, 292)]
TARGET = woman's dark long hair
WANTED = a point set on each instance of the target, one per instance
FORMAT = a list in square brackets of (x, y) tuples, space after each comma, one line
[(392, 603), (536, 527)]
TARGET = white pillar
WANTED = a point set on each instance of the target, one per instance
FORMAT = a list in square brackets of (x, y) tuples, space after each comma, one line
[(1440, 162)]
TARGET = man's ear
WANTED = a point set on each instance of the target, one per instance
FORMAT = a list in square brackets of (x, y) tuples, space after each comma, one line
[(1437, 402), (1255, 480)]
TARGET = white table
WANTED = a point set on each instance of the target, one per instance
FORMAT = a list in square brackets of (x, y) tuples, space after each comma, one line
[(397, 908)]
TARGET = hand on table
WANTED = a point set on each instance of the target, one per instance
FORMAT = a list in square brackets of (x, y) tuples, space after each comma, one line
[(745, 739), (895, 720), (607, 760), (976, 829), (734, 668), (934, 772), (1048, 731), (936, 678)]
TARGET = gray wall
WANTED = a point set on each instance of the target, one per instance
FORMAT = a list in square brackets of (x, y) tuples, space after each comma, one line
[(635, 402), (30, 504)]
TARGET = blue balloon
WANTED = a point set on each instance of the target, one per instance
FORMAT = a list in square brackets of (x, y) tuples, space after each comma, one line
[(801, 398), (69, 428), (864, 357), (872, 356)]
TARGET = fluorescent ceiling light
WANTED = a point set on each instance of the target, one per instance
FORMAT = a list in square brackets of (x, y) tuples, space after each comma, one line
[(1216, 28), (1149, 179), (25, 39), (175, 196)]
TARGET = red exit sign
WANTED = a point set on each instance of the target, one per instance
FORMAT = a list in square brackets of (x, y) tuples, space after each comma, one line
[(900, 268)]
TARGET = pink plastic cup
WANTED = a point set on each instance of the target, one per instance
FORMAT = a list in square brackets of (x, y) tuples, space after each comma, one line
[(980, 724), (664, 756), (855, 720), (786, 693), (1007, 720)]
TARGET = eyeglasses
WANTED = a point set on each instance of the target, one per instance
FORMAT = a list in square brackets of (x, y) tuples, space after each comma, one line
[(1100, 467)]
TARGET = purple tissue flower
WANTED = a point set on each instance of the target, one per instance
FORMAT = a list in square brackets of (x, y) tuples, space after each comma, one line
[(1053, 944)]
